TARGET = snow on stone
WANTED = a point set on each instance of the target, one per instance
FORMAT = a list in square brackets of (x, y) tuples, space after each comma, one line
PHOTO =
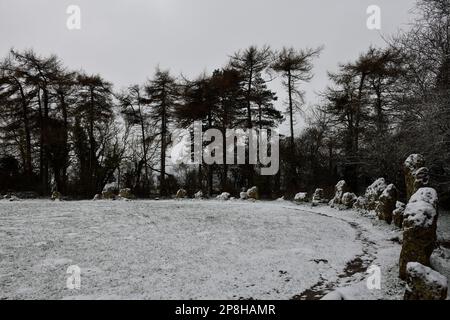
[(414, 161), (301, 196), (421, 208), (427, 274), (375, 189), (223, 196)]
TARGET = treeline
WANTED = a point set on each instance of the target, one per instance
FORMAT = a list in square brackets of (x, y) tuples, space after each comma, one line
[(70, 131)]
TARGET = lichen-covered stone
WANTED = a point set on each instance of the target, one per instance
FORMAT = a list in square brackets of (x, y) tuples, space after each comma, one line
[(348, 199), (198, 195), (373, 192), (243, 195), (423, 283), (98, 196), (339, 190), (397, 214), (360, 204), (419, 229), (125, 193), (386, 203), (416, 175), (318, 197), (181, 193), (301, 197), (56, 196), (224, 196), (252, 193)]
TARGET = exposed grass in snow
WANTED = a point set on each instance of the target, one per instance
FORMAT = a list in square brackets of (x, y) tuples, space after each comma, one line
[(189, 249)]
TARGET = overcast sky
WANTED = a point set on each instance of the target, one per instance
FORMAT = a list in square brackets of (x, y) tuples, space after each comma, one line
[(124, 40)]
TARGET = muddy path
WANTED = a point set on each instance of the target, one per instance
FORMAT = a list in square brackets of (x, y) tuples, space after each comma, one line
[(354, 270)]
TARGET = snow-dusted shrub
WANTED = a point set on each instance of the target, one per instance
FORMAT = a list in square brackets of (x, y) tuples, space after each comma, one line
[(416, 174), (339, 190), (348, 199), (423, 283), (301, 197), (243, 195), (373, 192), (223, 196), (419, 229), (252, 193), (397, 214), (198, 195), (181, 193), (386, 203)]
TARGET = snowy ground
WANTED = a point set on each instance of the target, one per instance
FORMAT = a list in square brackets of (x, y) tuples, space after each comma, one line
[(194, 249)]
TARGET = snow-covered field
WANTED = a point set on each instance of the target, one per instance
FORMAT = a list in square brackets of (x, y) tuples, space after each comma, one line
[(193, 249)]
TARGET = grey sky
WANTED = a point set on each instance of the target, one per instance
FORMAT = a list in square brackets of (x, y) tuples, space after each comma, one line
[(125, 40)]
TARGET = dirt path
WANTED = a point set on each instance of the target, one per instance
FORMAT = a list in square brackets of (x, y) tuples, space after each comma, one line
[(357, 266)]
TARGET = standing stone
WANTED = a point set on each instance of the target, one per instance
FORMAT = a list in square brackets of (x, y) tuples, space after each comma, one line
[(373, 192), (252, 193), (301, 197), (397, 214), (360, 204), (419, 229), (386, 203), (109, 191), (98, 196), (126, 194), (181, 194), (198, 195), (349, 199), (223, 196), (317, 197), (56, 196), (339, 190), (423, 283), (416, 174)]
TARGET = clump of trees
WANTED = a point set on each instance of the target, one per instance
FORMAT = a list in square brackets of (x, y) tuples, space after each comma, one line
[(70, 131)]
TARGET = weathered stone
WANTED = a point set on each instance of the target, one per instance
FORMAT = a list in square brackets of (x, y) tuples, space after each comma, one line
[(301, 197), (423, 283), (419, 229), (348, 199), (97, 197), (126, 194), (181, 194), (198, 195), (108, 195), (386, 203), (224, 196), (416, 175), (360, 204), (397, 214), (109, 191), (252, 193), (373, 192), (339, 190), (318, 197), (56, 196)]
